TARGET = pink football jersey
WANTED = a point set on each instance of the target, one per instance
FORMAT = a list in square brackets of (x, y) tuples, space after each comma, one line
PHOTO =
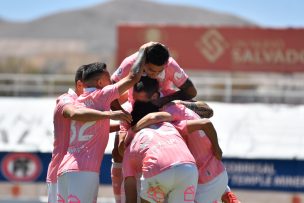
[(88, 140), (199, 144), (155, 149), (172, 75), (61, 134)]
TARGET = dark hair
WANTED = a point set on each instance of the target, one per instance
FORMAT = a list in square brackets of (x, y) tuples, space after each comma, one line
[(148, 85), (157, 54), (78, 75), (140, 109), (92, 70)]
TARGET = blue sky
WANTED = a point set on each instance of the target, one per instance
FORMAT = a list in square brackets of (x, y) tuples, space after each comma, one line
[(268, 13)]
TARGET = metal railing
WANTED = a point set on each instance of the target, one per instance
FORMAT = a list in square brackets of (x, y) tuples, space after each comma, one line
[(225, 88)]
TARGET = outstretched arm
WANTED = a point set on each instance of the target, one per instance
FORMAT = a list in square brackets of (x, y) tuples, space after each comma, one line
[(152, 118), (199, 107), (208, 128), (134, 74), (85, 114)]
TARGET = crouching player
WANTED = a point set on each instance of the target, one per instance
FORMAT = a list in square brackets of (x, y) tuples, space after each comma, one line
[(203, 144), (160, 156)]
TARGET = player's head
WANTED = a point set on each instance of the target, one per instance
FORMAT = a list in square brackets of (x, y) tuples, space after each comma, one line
[(96, 75), (146, 89), (78, 81), (156, 59), (140, 109)]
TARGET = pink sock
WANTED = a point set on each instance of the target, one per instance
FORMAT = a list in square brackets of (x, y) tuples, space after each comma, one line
[(116, 175)]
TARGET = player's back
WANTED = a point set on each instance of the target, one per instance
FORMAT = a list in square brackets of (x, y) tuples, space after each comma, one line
[(159, 147), (198, 143), (61, 134)]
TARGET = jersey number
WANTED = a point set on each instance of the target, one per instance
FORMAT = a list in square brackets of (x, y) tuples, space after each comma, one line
[(82, 129)]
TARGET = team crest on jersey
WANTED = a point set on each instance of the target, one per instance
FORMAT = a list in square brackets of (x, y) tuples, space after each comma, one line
[(178, 75), (67, 100)]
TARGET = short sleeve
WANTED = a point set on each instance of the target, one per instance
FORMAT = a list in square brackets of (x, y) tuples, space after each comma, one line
[(176, 73), (124, 68), (110, 93), (64, 100)]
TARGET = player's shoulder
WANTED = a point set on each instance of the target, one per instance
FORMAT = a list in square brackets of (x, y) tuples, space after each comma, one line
[(65, 98), (172, 63), (131, 59)]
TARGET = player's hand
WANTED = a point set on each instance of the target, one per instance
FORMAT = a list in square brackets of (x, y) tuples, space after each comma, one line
[(121, 115), (217, 151)]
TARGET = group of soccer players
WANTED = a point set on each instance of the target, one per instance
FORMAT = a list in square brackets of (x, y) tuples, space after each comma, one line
[(166, 150)]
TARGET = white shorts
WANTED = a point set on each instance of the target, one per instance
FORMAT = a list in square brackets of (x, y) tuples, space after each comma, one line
[(176, 184), (52, 192), (213, 190), (78, 187)]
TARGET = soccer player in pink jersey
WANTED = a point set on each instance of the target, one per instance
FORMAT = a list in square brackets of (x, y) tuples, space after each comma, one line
[(212, 175), (165, 69), (65, 111), (159, 156), (161, 66), (79, 170)]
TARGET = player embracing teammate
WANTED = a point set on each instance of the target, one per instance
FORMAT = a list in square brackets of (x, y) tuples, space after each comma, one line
[(167, 73), (159, 153)]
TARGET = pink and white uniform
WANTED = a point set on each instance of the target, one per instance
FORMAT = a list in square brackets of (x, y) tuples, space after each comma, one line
[(61, 141), (160, 154), (88, 141), (210, 168), (172, 75)]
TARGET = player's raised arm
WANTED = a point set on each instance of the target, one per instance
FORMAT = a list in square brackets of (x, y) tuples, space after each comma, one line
[(207, 126), (134, 74)]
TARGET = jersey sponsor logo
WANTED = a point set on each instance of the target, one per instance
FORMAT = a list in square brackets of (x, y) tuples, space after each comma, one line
[(21, 167)]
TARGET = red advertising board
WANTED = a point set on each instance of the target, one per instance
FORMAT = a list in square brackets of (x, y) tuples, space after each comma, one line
[(220, 48)]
